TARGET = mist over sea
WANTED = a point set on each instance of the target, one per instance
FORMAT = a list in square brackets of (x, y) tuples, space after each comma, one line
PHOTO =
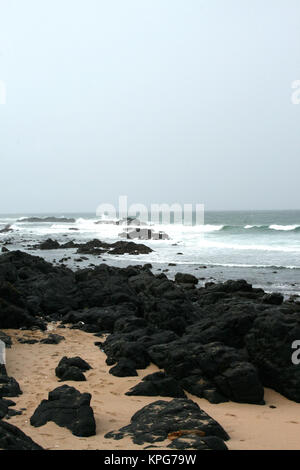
[(262, 247)]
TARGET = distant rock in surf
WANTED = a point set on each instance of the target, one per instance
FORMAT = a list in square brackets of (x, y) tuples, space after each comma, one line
[(6, 229), (46, 220), (97, 247), (144, 234)]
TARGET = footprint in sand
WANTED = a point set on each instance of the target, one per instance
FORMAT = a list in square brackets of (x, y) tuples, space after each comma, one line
[(292, 422)]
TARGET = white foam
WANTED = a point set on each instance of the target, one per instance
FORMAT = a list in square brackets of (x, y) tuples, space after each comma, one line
[(285, 228)]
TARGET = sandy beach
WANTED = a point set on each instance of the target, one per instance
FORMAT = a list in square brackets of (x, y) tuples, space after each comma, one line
[(251, 427)]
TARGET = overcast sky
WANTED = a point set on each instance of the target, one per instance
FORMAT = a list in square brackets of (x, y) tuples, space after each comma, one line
[(160, 100)]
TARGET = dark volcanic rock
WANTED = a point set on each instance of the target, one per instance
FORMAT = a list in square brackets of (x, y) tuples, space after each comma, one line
[(49, 245), (152, 318), (205, 370), (52, 339), (121, 248), (4, 404), (183, 278), (72, 369), (47, 220), (6, 229), (97, 247), (275, 298), (154, 422), (124, 368), (9, 387), (158, 384), (27, 341), (12, 438), (269, 344), (67, 408)]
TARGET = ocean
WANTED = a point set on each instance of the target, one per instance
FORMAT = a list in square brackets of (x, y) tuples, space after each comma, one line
[(262, 247)]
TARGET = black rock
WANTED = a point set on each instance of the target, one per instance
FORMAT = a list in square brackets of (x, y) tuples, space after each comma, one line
[(183, 278), (269, 344), (72, 369), (70, 373), (6, 229), (9, 387), (67, 408), (47, 220), (154, 422), (27, 341), (52, 339), (274, 299), (212, 367), (158, 384), (124, 368), (12, 438), (49, 245)]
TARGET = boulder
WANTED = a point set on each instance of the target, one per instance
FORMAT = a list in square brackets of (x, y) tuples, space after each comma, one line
[(269, 345), (154, 422), (183, 278), (68, 408), (12, 438), (158, 384), (124, 368), (52, 339), (72, 369)]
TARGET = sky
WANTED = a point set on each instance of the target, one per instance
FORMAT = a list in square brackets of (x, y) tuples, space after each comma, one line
[(163, 101)]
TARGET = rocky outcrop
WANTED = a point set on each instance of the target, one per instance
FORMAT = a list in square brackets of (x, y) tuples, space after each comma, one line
[(156, 421), (9, 387), (158, 384), (269, 344), (47, 220), (6, 229), (218, 341), (97, 247), (12, 438), (183, 278), (52, 339), (67, 408), (72, 369)]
